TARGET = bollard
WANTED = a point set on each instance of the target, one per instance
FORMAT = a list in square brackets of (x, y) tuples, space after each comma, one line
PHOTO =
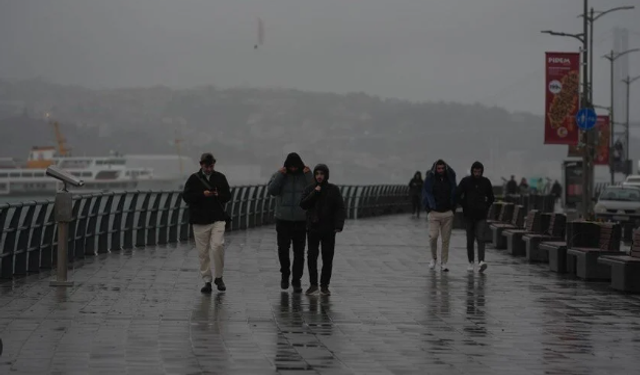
[(63, 210)]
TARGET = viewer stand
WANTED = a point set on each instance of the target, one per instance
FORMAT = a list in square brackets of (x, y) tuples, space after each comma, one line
[(63, 209)]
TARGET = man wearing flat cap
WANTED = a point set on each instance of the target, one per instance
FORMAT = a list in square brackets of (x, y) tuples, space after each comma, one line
[(206, 192)]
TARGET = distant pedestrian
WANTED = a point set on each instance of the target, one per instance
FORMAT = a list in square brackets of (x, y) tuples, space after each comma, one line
[(512, 186), (524, 186), (438, 197), (475, 195), (325, 217), (415, 192), (287, 185), (206, 192), (556, 190)]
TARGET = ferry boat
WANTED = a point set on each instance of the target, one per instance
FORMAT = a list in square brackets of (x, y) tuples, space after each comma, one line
[(100, 174)]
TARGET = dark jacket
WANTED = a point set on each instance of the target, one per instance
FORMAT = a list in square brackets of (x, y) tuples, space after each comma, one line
[(475, 194), (206, 210), (434, 196), (288, 188), (325, 209), (415, 187), (512, 187), (556, 190)]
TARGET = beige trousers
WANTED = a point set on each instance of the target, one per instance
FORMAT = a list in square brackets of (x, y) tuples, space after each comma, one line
[(440, 223), (210, 239)]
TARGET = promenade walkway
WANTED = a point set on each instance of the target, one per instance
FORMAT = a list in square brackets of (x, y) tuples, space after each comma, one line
[(141, 312)]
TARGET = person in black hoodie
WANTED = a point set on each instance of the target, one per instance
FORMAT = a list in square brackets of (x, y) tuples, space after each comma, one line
[(475, 195), (415, 192), (325, 217), (206, 192)]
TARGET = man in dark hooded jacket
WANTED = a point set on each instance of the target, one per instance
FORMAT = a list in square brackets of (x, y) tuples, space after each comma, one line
[(287, 185), (439, 199), (325, 217), (475, 195)]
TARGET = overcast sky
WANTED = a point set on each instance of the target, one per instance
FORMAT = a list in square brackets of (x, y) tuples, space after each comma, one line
[(487, 51)]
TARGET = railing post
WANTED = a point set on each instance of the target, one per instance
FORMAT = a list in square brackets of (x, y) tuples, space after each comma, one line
[(63, 215)]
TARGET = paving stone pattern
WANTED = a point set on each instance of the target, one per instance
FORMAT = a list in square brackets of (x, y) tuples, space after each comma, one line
[(141, 312)]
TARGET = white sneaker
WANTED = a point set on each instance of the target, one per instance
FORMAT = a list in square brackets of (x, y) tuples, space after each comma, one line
[(470, 267), (432, 264), (444, 268), (483, 266)]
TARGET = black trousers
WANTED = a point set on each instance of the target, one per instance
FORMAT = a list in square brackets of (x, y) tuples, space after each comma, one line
[(415, 202), (475, 232), (291, 232), (326, 240)]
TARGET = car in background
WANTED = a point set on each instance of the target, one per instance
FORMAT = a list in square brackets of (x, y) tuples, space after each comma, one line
[(633, 180), (619, 203)]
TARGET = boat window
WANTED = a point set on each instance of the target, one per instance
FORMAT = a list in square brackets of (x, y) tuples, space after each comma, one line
[(3, 175), (107, 175), (27, 174), (86, 174), (14, 174)]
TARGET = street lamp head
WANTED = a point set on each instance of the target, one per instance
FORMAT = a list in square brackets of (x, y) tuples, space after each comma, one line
[(614, 56)]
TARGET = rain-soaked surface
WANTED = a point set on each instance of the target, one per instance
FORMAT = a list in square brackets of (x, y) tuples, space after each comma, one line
[(141, 312)]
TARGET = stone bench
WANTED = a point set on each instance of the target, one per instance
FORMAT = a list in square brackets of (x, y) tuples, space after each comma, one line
[(533, 225), (505, 216), (586, 258), (517, 222), (555, 232), (578, 233), (625, 269)]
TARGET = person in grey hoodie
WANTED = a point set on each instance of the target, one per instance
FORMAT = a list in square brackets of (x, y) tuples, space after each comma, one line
[(287, 185)]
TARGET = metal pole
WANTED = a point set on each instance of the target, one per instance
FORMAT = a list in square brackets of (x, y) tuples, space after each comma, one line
[(628, 82), (591, 37), (63, 215), (612, 142), (587, 164)]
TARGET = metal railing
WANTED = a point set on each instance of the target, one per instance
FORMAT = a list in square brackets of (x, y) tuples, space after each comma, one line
[(115, 221)]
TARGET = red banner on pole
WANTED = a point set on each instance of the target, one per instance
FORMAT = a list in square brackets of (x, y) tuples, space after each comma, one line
[(562, 98), (602, 150)]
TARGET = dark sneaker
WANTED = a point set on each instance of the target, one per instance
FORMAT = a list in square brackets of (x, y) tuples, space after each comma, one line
[(220, 284), (284, 284), (297, 288), (325, 291), (206, 288), (313, 289)]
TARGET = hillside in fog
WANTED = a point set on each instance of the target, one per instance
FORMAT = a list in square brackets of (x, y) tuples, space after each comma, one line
[(363, 138)]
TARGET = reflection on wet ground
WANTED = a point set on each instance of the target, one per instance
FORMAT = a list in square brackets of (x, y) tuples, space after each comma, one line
[(141, 312)]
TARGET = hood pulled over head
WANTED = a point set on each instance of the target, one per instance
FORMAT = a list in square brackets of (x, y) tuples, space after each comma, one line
[(439, 162), (477, 165), (294, 160), (323, 168)]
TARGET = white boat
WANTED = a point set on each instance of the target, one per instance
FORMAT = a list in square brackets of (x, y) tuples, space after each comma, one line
[(99, 173)]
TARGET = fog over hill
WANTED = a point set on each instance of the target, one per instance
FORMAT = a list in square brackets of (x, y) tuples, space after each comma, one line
[(363, 138)]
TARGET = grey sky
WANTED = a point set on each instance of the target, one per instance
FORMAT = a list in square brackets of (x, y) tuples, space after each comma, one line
[(487, 51)]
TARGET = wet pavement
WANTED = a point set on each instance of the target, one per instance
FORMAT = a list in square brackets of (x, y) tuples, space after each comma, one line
[(141, 312)]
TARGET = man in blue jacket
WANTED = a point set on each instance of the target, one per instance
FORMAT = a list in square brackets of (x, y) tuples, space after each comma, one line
[(439, 199), (287, 185)]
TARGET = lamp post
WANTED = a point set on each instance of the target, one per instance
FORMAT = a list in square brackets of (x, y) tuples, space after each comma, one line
[(593, 16), (628, 81), (612, 57), (587, 155)]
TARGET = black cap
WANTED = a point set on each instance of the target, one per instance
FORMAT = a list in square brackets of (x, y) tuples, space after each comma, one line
[(207, 159)]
